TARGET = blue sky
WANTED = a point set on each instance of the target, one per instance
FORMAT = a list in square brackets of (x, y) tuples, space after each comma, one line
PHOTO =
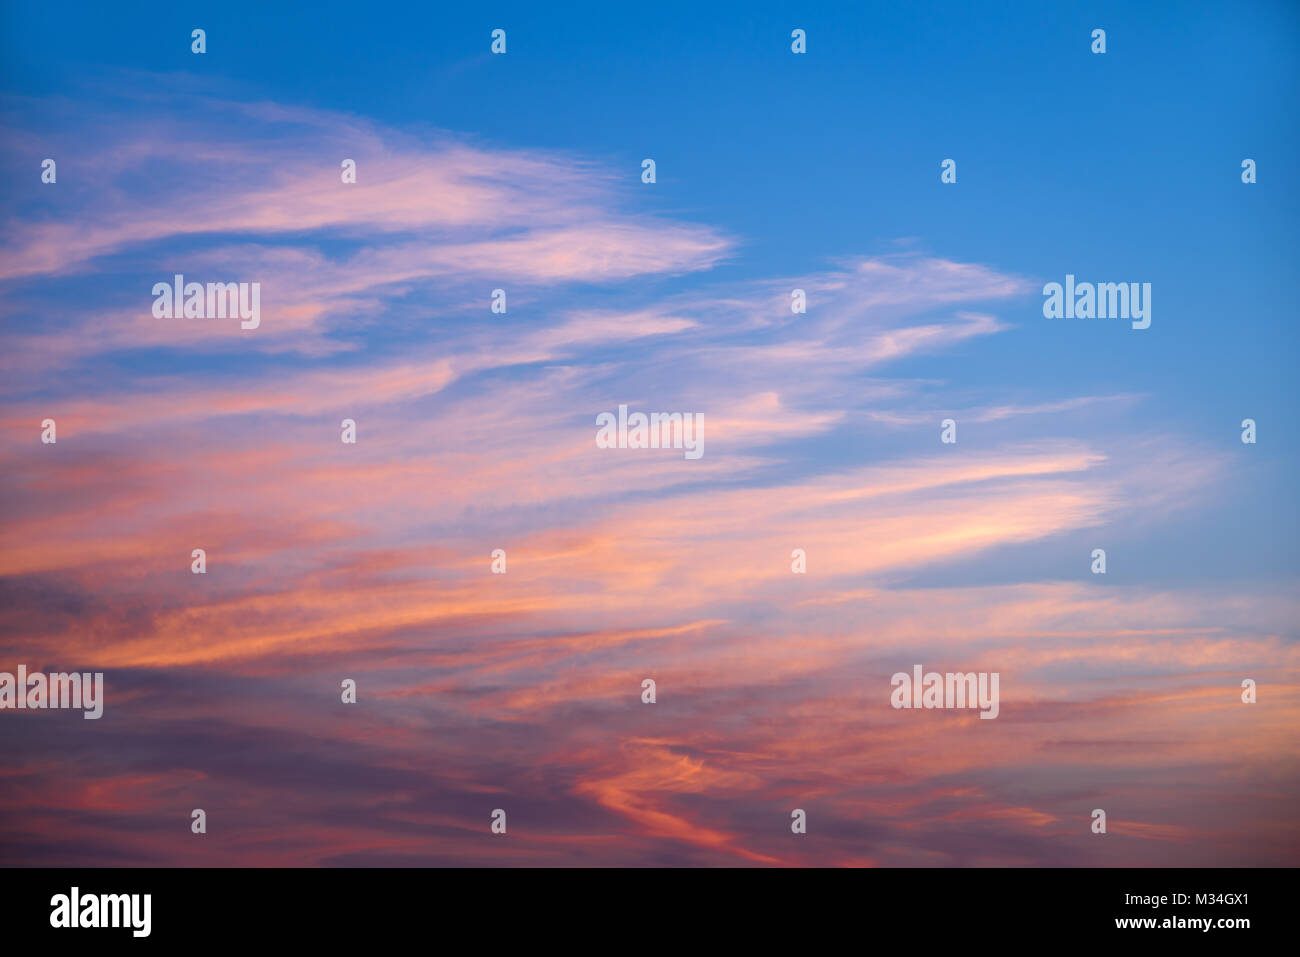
[(774, 170), (1123, 166)]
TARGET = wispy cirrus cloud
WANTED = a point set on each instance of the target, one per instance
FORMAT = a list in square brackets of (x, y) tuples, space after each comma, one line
[(476, 431)]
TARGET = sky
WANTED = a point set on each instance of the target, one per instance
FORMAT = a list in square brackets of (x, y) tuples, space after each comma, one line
[(476, 430)]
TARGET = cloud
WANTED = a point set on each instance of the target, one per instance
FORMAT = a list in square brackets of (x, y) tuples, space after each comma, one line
[(475, 432)]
